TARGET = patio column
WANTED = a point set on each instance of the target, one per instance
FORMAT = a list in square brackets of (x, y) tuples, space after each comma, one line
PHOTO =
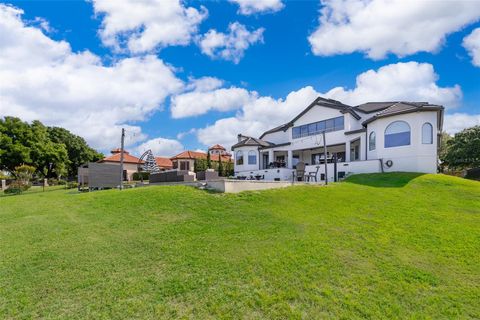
[(347, 151), (290, 159), (270, 156)]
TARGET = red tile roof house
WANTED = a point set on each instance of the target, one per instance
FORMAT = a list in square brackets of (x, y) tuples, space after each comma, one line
[(186, 159), (164, 163), (130, 163)]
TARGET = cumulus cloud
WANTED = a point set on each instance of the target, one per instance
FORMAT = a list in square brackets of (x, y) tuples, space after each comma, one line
[(43, 79), (410, 81), (161, 147), (456, 122), (207, 96), (232, 45), (248, 7), (402, 81), (379, 27), (145, 25), (472, 44)]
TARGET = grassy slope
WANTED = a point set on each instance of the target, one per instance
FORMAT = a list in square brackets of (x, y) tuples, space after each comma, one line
[(396, 245)]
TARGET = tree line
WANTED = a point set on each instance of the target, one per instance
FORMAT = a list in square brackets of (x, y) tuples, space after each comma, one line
[(54, 152), (461, 151)]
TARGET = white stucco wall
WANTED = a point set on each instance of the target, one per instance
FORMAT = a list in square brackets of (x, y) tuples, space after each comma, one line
[(245, 166), (416, 157)]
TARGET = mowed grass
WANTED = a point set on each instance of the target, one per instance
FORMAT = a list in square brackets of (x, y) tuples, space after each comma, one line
[(377, 246)]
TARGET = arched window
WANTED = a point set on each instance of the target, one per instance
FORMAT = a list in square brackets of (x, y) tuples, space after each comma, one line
[(239, 158), (397, 134), (371, 141), (427, 133), (252, 157)]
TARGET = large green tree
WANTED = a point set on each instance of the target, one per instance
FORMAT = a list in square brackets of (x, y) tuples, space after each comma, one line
[(54, 152), (13, 149), (77, 149), (463, 149)]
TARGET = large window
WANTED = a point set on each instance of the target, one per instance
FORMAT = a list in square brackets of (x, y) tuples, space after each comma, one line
[(427, 133), (184, 165), (397, 134), (333, 124), (252, 157), (371, 141), (239, 158)]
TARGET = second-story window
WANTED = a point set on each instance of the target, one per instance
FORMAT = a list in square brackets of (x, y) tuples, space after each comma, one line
[(334, 124)]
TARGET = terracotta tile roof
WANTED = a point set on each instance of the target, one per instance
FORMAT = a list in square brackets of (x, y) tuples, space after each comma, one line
[(217, 147), (225, 158), (164, 162), (118, 150), (199, 155), (127, 158)]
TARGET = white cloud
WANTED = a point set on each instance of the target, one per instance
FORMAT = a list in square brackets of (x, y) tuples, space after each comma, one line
[(232, 45), (248, 7), (402, 81), (207, 96), (456, 122), (183, 134), (204, 84), (161, 147), (379, 27), (43, 79), (410, 81), (147, 24), (472, 44)]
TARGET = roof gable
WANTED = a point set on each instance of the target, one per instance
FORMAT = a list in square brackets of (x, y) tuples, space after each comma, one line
[(328, 103)]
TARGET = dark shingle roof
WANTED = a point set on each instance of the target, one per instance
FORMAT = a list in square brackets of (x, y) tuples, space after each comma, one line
[(283, 127), (251, 141), (402, 108), (370, 107)]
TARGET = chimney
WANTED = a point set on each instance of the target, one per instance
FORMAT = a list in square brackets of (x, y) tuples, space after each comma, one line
[(239, 136)]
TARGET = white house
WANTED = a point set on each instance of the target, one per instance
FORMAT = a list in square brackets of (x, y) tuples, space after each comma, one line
[(371, 137)]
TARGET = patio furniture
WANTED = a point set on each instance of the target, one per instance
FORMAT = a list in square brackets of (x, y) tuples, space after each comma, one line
[(312, 175), (300, 171)]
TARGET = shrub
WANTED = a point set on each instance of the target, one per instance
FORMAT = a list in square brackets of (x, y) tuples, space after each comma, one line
[(141, 175), (17, 187), (72, 185), (24, 173), (473, 174)]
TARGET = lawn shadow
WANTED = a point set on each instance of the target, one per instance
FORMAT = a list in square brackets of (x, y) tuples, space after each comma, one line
[(384, 180)]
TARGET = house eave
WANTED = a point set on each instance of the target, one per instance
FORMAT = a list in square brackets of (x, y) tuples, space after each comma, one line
[(421, 109)]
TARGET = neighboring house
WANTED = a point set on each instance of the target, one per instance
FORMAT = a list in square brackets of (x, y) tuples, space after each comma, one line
[(218, 149), (371, 137), (186, 159), (130, 163), (164, 163)]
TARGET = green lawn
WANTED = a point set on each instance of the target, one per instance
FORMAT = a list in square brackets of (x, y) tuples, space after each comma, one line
[(377, 246)]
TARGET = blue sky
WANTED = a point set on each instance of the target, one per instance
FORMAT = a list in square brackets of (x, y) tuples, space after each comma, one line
[(279, 60)]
